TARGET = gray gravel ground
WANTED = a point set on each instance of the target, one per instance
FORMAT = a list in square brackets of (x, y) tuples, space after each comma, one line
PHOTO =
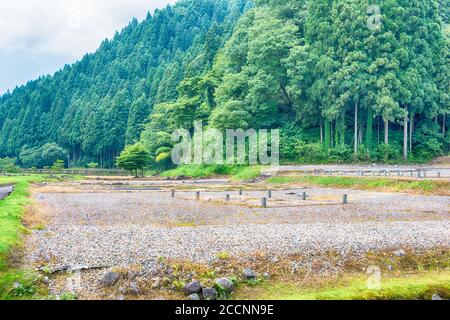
[(5, 191), (115, 229)]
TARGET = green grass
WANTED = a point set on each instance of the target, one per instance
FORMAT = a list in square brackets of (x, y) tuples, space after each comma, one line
[(398, 185), (408, 287), (200, 171), (12, 209)]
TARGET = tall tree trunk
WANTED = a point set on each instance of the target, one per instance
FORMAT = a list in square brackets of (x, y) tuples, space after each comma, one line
[(378, 133), (331, 134), (405, 138), (321, 131), (411, 131), (327, 134), (369, 130), (386, 131), (356, 130), (443, 125)]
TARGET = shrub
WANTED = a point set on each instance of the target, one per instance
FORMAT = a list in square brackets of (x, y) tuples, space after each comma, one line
[(311, 152), (387, 153)]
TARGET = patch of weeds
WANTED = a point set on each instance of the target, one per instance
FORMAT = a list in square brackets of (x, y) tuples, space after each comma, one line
[(382, 184), (223, 255), (253, 282), (46, 270), (68, 296), (39, 227), (23, 290), (179, 284)]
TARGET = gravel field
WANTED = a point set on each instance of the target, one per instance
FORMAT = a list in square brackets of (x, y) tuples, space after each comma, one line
[(120, 229)]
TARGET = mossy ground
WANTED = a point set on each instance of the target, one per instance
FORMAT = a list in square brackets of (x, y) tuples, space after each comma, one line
[(404, 287), (12, 209), (235, 172)]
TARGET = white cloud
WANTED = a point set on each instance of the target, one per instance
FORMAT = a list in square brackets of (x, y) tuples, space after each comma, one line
[(39, 36), (68, 27)]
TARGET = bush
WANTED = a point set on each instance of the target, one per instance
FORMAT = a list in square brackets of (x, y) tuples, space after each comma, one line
[(8, 165), (291, 135), (311, 152), (44, 156), (429, 143), (388, 153), (341, 154)]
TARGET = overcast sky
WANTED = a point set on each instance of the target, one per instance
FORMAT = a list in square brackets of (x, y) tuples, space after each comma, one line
[(38, 37)]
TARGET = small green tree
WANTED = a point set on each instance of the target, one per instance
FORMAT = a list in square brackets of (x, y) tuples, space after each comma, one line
[(58, 165), (134, 159)]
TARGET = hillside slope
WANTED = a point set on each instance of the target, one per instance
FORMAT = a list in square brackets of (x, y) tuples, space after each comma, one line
[(94, 107)]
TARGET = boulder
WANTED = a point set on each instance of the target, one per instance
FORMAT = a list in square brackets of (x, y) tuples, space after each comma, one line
[(225, 284), (192, 287), (194, 297), (249, 274), (134, 288), (436, 297), (110, 278), (209, 293)]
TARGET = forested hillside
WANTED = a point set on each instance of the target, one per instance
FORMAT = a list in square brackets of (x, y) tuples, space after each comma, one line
[(95, 107), (338, 89)]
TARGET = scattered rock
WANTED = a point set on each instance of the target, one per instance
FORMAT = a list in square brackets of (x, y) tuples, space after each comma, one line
[(266, 275), (156, 283), (120, 298), (295, 267), (226, 284), (192, 287), (400, 253), (194, 297), (436, 297), (249, 274), (134, 288), (209, 294), (110, 278)]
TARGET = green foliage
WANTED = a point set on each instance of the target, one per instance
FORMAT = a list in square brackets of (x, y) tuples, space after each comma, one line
[(312, 68), (196, 171), (8, 165), (92, 165), (420, 186), (11, 228), (58, 165), (134, 158), (419, 286), (387, 153), (429, 143), (311, 152), (97, 106), (44, 156)]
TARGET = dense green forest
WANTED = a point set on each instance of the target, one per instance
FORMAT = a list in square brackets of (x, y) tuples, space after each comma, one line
[(338, 90)]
